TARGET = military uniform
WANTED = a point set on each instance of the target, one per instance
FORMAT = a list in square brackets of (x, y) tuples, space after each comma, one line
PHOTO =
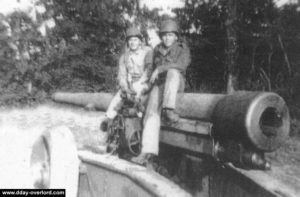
[(171, 63), (133, 75)]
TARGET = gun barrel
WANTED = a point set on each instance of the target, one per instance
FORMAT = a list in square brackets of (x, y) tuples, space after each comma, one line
[(98, 100), (259, 119), (189, 105)]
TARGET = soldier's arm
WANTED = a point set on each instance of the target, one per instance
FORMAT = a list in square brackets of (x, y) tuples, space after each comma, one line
[(122, 74), (181, 63)]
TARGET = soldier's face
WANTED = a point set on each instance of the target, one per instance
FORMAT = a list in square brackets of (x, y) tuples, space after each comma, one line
[(134, 43), (169, 38)]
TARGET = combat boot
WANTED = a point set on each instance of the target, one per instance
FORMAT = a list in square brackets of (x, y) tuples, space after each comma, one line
[(146, 159), (171, 115), (106, 124)]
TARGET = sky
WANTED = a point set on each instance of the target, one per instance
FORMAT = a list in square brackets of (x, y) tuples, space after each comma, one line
[(168, 5), (165, 5), (8, 6), (280, 3)]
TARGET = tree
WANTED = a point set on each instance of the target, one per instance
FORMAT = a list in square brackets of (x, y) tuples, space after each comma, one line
[(252, 46), (232, 46), (22, 55), (252, 42)]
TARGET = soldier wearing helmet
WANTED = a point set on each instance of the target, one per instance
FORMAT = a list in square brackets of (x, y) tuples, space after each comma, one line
[(170, 61), (135, 66), (168, 26), (133, 32)]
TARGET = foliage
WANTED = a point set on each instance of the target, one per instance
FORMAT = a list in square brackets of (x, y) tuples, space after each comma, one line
[(80, 53), (22, 58), (267, 39)]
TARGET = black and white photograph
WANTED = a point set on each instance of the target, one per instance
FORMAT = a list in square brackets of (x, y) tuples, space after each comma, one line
[(150, 98)]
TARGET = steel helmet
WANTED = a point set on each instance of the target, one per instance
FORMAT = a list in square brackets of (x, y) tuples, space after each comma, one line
[(169, 26), (133, 32)]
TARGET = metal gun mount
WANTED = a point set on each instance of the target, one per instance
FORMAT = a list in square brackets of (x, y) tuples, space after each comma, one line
[(237, 128), (243, 127)]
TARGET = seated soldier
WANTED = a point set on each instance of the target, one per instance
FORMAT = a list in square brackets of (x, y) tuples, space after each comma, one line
[(170, 61), (135, 66)]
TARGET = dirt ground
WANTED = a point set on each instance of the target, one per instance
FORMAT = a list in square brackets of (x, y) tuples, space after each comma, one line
[(21, 127), (85, 126), (286, 161)]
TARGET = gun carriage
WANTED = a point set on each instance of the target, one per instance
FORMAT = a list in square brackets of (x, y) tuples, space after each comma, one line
[(237, 128)]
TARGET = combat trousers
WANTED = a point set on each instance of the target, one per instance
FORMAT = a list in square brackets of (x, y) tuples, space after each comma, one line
[(112, 110), (162, 95)]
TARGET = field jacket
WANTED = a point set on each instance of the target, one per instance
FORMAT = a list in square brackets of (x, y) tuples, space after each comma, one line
[(135, 66), (176, 57)]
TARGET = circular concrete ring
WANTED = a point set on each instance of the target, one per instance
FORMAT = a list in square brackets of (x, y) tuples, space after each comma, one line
[(55, 162)]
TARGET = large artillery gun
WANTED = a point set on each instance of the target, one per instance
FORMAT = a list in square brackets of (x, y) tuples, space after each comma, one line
[(57, 146), (238, 128)]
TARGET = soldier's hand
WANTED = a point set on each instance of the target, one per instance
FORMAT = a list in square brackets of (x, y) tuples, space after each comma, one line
[(154, 76), (130, 94)]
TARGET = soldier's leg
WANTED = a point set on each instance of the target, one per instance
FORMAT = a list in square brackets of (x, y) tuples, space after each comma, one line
[(150, 138), (174, 84), (112, 111), (114, 105)]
